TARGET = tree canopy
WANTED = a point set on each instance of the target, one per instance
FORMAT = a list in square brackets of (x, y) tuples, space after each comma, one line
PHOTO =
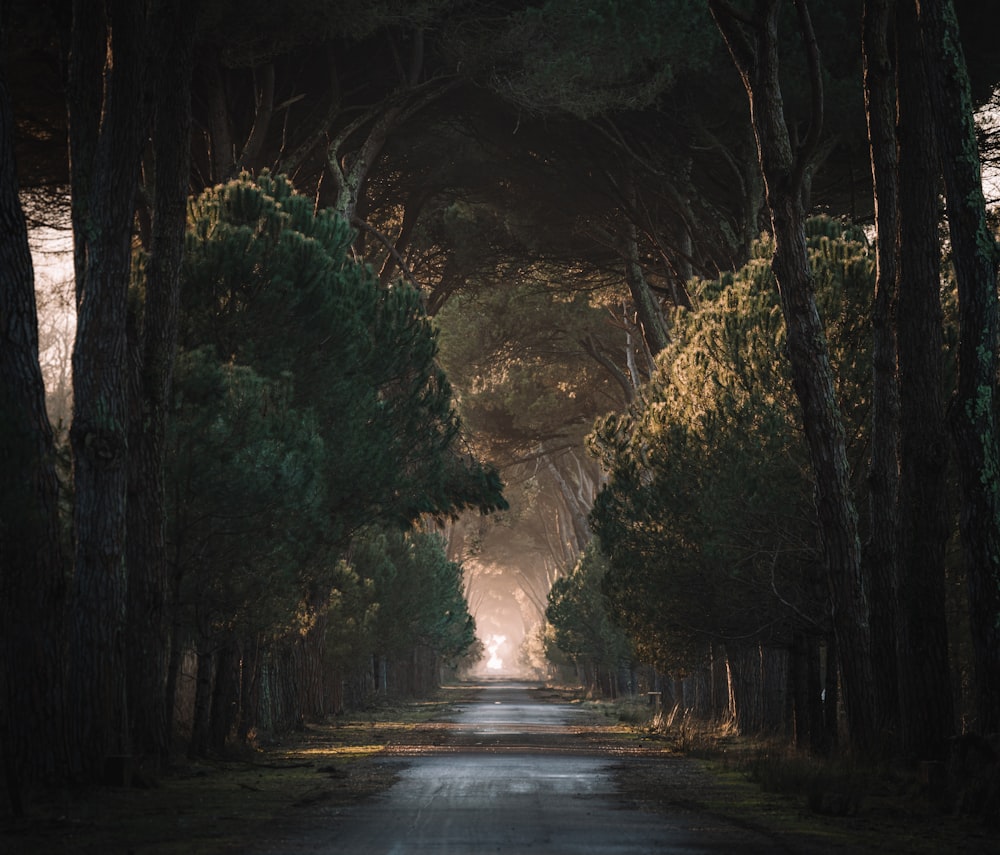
[(708, 518)]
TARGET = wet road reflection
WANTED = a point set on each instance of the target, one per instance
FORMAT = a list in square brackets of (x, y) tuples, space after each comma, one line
[(513, 776)]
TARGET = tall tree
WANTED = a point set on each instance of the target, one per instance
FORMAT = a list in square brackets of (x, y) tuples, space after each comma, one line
[(108, 64), (707, 515), (31, 560), (150, 361), (753, 40), (974, 410), (926, 708), (881, 555)]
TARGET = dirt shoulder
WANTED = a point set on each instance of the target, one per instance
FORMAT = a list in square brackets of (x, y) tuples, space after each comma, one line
[(810, 810), (219, 806), (294, 787)]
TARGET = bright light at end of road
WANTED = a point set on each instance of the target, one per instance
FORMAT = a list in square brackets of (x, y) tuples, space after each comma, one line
[(495, 663)]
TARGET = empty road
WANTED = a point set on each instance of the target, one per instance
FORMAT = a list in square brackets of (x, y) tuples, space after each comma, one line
[(512, 775)]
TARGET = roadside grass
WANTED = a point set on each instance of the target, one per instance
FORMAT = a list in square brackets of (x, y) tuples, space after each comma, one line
[(666, 762), (213, 806), (815, 804)]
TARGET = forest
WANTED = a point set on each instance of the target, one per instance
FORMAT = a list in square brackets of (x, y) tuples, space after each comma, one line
[(655, 339)]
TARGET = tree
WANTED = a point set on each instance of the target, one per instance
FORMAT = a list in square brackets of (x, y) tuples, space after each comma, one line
[(708, 518), (582, 627), (152, 339), (107, 81), (974, 255), (246, 525), (310, 408), (752, 38), (420, 615), (882, 556), (258, 73), (270, 285), (32, 568), (926, 708)]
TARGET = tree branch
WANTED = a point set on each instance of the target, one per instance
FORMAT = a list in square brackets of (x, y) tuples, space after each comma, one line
[(381, 238), (809, 144), (731, 23), (590, 347), (263, 111)]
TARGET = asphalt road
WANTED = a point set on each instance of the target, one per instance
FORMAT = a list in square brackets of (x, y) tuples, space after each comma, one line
[(512, 775)]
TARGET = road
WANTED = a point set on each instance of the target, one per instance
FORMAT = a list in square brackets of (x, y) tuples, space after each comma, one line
[(513, 775)]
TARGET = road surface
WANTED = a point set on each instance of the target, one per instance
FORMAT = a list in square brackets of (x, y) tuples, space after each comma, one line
[(512, 775)]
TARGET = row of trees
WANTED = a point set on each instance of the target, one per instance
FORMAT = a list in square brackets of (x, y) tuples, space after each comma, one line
[(594, 156), (308, 408), (708, 518), (722, 522), (303, 417)]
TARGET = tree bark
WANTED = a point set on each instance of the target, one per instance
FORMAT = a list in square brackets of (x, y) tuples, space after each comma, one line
[(881, 555), (203, 692), (973, 411), (651, 320), (31, 559), (922, 635), (748, 688), (753, 45), (222, 148), (104, 190), (151, 361)]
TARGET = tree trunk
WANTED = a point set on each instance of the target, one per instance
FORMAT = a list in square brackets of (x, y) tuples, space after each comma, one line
[(31, 558), (103, 237), (747, 685), (775, 667), (754, 48), (651, 320), (974, 408), (818, 743), (927, 714), (881, 552), (831, 696), (202, 717), (225, 697), (222, 148), (151, 359)]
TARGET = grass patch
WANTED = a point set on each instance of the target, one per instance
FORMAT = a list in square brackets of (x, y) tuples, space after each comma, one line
[(198, 808), (634, 710), (816, 804)]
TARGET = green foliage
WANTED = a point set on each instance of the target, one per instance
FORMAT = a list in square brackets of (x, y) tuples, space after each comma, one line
[(515, 351), (245, 499), (707, 518), (417, 594), (590, 58), (269, 284), (308, 405), (249, 32), (582, 627)]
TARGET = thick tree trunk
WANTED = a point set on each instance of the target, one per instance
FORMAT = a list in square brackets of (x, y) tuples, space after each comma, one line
[(151, 360), (747, 686), (31, 560), (225, 697), (927, 714), (974, 410), (881, 552), (103, 236), (774, 669), (753, 44)]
